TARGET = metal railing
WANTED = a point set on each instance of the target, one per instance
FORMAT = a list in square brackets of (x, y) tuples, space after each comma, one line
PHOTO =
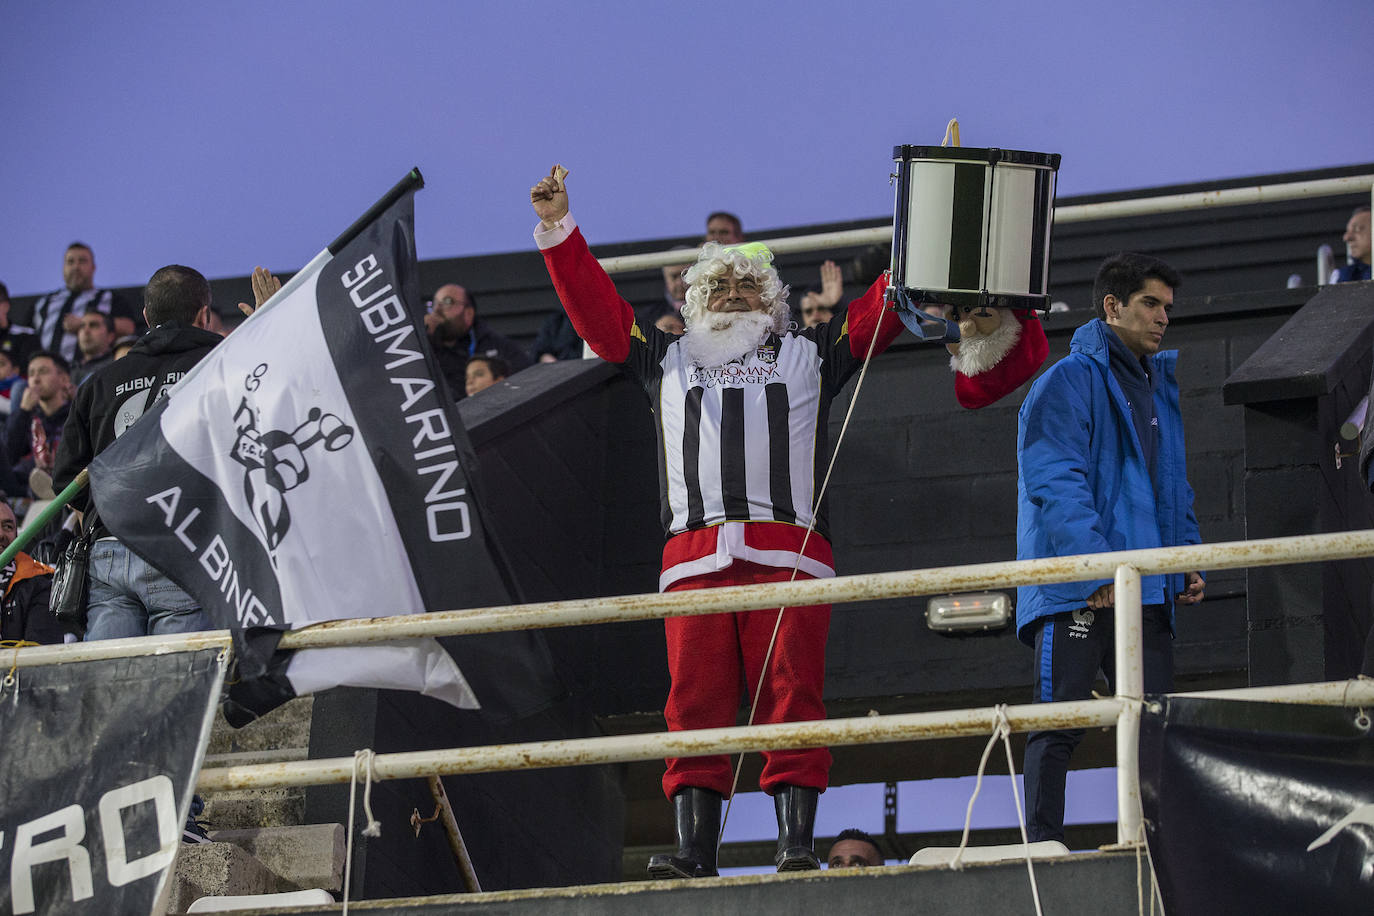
[(1078, 213), (1122, 710)]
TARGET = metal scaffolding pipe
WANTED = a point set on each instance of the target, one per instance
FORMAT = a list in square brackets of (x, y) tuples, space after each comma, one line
[(624, 748), (1077, 213), (827, 733), (1130, 688), (839, 590)]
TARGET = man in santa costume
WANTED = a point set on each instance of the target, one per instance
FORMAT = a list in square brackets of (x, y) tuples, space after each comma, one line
[(741, 403)]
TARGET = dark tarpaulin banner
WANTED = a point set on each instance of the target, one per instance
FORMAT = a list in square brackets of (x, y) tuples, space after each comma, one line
[(1258, 807), (313, 467), (98, 761)]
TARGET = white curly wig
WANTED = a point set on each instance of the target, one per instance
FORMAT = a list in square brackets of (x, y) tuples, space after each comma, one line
[(717, 261)]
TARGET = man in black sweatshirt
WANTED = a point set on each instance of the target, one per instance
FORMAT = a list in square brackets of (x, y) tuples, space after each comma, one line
[(128, 595)]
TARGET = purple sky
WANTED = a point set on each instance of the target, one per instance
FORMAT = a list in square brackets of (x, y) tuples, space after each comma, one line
[(228, 135)]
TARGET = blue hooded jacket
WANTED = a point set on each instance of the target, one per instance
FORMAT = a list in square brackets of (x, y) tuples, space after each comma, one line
[(1082, 485)]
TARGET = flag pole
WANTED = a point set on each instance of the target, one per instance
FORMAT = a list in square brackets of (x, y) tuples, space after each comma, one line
[(413, 180), (40, 521)]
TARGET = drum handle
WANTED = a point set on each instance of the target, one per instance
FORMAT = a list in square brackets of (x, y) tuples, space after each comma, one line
[(952, 128)]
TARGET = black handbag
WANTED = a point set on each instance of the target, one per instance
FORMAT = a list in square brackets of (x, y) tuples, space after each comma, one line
[(70, 585)]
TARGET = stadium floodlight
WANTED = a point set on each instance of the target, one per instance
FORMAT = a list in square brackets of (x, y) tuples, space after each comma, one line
[(961, 613)]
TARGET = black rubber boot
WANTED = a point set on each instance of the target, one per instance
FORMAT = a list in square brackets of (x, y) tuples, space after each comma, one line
[(698, 832), (796, 807)]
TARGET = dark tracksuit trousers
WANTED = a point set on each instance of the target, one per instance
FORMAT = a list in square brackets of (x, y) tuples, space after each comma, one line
[(1070, 649)]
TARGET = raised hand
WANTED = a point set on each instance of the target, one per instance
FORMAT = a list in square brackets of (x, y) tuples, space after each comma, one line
[(550, 197), (832, 284), (265, 285)]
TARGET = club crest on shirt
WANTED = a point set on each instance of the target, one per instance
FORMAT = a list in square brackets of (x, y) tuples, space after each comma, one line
[(767, 352)]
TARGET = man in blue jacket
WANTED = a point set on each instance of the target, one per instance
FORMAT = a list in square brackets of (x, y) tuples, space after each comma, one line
[(1100, 464)]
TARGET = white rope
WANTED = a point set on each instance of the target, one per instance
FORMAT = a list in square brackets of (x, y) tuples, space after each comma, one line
[(373, 828), (1001, 728), (801, 552)]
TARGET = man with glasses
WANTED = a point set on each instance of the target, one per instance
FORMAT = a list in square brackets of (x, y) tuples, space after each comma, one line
[(741, 403), (457, 335)]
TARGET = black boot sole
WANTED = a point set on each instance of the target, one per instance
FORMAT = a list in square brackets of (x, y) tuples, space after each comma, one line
[(798, 858), (665, 867)]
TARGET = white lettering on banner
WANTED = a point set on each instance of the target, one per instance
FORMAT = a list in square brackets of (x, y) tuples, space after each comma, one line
[(415, 388), (71, 820), (214, 559), (456, 532), (158, 790), (447, 515), (366, 264), (393, 347)]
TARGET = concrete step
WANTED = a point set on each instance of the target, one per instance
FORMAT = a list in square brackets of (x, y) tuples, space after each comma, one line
[(1085, 884), (219, 869), (288, 726), (246, 809), (308, 856)]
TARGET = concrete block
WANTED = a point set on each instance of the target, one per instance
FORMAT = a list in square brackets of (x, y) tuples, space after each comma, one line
[(285, 727), (307, 856), (219, 869), (251, 808)]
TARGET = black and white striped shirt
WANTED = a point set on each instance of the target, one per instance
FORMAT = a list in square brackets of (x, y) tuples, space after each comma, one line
[(740, 445), (742, 442), (49, 311)]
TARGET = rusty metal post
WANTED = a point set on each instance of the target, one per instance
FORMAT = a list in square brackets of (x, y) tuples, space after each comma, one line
[(455, 836)]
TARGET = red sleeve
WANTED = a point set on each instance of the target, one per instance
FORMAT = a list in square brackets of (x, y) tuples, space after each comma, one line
[(1010, 373), (602, 318), (870, 312)]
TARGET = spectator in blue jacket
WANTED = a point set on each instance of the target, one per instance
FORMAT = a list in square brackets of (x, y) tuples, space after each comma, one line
[(1100, 467)]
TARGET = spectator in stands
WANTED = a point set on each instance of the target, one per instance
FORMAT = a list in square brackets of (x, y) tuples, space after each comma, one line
[(94, 344), (854, 849), (457, 334), (1100, 467), (35, 426), (726, 526), (812, 311), (818, 305), (9, 374), (15, 342), (128, 596), (123, 345), (56, 317), (484, 371), (724, 228), (674, 293), (669, 323), (1357, 247), (674, 286), (557, 339), (26, 584)]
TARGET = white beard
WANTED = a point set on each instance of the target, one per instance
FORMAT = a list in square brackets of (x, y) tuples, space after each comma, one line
[(979, 354), (722, 336)]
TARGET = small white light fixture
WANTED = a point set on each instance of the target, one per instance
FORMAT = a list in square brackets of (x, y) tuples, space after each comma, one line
[(961, 613)]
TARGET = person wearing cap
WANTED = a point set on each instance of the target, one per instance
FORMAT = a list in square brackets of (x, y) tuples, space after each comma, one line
[(741, 402)]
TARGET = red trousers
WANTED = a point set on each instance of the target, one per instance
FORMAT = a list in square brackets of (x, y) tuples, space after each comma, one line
[(708, 654)]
